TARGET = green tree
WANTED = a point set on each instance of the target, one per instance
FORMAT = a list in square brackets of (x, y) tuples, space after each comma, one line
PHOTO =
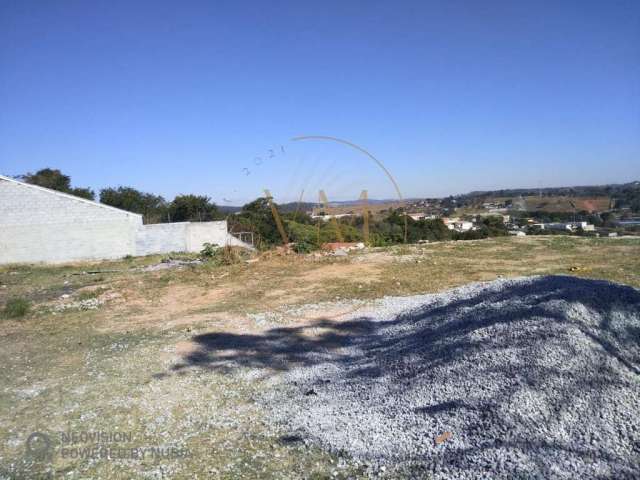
[(434, 230), (608, 219), (494, 226), (329, 234), (56, 180), (257, 217), (49, 178), (152, 207), (301, 233), (83, 193), (193, 208)]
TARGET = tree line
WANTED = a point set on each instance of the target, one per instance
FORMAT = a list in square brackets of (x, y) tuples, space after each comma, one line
[(153, 208), (386, 228)]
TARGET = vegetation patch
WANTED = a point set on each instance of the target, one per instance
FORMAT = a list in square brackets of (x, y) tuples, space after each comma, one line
[(16, 308)]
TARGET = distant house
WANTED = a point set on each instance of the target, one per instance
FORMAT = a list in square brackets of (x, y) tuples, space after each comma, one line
[(559, 226), (421, 216), (493, 206), (571, 226), (328, 217), (460, 226)]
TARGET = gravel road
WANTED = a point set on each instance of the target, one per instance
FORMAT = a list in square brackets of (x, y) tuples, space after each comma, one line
[(535, 377)]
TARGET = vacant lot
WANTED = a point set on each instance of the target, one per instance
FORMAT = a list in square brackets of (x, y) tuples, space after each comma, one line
[(98, 346), (567, 204)]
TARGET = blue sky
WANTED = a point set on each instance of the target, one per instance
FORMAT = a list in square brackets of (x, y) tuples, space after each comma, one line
[(181, 97)]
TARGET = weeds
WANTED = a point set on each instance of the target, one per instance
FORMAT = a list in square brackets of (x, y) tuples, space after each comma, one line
[(226, 255), (229, 256), (208, 251), (304, 247), (89, 294), (403, 250), (16, 307)]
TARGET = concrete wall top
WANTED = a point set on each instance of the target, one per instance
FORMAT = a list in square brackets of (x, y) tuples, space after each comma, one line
[(22, 204)]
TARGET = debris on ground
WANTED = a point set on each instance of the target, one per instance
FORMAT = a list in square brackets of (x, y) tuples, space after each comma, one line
[(166, 264), (342, 246), (443, 438), (95, 272), (88, 304)]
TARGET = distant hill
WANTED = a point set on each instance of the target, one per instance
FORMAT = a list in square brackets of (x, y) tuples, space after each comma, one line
[(608, 190), (229, 209), (309, 206), (296, 206), (371, 201), (591, 198), (282, 207)]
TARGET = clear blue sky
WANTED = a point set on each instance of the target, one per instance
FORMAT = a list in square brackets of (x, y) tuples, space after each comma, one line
[(452, 96)]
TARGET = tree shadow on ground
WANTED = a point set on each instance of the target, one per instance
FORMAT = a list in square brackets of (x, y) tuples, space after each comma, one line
[(278, 349), (447, 330), (441, 342)]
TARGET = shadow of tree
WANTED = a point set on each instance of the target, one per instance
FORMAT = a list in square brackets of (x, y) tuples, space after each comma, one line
[(441, 342), (446, 333), (278, 349)]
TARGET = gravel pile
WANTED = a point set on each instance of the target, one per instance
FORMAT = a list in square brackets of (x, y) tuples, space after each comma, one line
[(528, 378)]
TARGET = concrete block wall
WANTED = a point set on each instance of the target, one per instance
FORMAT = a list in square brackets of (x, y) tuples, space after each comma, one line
[(206, 232), (180, 237), (41, 225), (161, 238)]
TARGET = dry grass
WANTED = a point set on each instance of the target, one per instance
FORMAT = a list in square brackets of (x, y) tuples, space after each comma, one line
[(111, 368)]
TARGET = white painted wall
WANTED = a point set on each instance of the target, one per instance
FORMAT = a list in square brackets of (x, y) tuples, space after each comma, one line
[(161, 238), (182, 237), (199, 233), (41, 225)]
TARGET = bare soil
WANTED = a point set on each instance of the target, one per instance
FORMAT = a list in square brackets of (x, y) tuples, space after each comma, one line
[(98, 352)]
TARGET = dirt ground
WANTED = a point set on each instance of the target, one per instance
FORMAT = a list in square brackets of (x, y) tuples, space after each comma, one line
[(98, 350)]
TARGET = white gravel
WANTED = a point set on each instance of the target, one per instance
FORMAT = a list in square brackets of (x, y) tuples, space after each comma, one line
[(534, 378)]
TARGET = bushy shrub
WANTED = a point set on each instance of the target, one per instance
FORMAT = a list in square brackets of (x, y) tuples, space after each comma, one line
[(301, 233), (304, 247), (208, 251), (378, 240), (226, 255), (16, 307)]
